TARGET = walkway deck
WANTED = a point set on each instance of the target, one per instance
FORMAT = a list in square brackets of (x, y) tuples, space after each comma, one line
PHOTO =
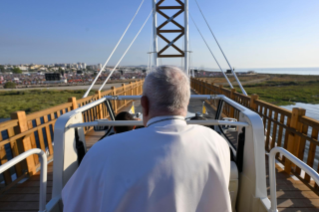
[(292, 194)]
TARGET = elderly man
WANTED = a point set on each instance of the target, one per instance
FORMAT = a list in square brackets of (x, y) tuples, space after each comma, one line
[(166, 166)]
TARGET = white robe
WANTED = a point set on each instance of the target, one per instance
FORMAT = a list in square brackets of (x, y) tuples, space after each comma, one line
[(167, 166)]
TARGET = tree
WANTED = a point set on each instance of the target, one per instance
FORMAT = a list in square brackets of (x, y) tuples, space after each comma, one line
[(2, 68), (16, 70)]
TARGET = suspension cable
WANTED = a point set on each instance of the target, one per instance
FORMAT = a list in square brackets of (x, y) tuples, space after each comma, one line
[(232, 70), (211, 51), (97, 76), (108, 77)]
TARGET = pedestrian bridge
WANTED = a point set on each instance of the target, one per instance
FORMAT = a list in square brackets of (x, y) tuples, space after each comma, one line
[(289, 129)]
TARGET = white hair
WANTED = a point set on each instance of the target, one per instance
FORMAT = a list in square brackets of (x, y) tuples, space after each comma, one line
[(168, 89)]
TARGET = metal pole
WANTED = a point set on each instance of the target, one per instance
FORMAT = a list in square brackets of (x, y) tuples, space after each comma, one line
[(128, 48), (108, 59), (155, 42), (231, 68), (231, 86), (43, 174), (186, 20)]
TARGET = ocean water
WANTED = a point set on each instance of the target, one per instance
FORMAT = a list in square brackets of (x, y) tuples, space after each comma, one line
[(294, 71), (312, 110)]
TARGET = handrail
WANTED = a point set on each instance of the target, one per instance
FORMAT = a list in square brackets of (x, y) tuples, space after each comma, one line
[(43, 173), (272, 172), (140, 123)]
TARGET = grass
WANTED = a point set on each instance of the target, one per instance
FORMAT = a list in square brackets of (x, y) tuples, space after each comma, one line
[(287, 95), (34, 100), (279, 89)]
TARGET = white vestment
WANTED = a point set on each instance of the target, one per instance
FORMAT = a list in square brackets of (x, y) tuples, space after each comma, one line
[(166, 166)]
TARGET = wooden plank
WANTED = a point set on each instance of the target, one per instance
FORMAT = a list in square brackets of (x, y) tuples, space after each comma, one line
[(274, 130), (15, 152), (22, 198), (281, 110), (268, 129), (4, 159), (311, 153), (286, 139), (264, 116), (293, 139), (47, 130), (302, 147), (47, 111), (3, 190), (29, 160), (310, 121), (8, 124), (33, 142), (40, 134)]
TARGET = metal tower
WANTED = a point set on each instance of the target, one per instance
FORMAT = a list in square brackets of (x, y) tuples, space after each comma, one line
[(158, 31)]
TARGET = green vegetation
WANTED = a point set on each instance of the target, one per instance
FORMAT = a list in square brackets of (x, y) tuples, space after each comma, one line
[(9, 85), (278, 89), (2, 68), (16, 70), (285, 93), (34, 100)]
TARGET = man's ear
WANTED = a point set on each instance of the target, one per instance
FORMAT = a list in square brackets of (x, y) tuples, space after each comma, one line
[(145, 105)]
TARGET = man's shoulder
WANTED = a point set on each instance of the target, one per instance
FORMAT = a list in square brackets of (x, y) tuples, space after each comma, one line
[(203, 129), (120, 139)]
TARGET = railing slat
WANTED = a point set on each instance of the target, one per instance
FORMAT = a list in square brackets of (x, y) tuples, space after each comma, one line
[(311, 153)]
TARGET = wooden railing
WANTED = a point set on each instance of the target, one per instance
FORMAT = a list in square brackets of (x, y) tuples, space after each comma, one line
[(35, 130), (290, 129)]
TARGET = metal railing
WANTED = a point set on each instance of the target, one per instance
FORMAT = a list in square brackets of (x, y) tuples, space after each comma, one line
[(36, 130), (43, 174), (272, 172), (292, 130)]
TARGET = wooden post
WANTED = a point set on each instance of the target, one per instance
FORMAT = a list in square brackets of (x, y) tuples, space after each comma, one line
[(232, 96), (47, 130), (100, 111), (29, 160), (22, 145), (253, 104), (294, 140), (221, 89), (74, 104), (124, 88), (131, 88), (115, 103)]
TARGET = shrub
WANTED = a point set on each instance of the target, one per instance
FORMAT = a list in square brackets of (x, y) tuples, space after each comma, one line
[(9, 85)]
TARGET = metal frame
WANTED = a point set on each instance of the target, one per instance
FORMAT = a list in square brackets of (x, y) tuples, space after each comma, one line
[(106, 122), (272, 172), (253, 174), (180, 29), (43, 172)]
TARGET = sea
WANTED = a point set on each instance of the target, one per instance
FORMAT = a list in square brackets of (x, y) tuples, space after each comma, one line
[(293, 71)]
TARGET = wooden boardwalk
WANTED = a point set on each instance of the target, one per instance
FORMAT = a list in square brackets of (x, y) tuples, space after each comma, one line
[(292, 194)]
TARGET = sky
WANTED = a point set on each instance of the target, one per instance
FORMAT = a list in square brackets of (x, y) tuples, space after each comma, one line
[(252, 33)]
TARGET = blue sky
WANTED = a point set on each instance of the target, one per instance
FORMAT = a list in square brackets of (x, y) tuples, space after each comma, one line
[(253, 33)]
